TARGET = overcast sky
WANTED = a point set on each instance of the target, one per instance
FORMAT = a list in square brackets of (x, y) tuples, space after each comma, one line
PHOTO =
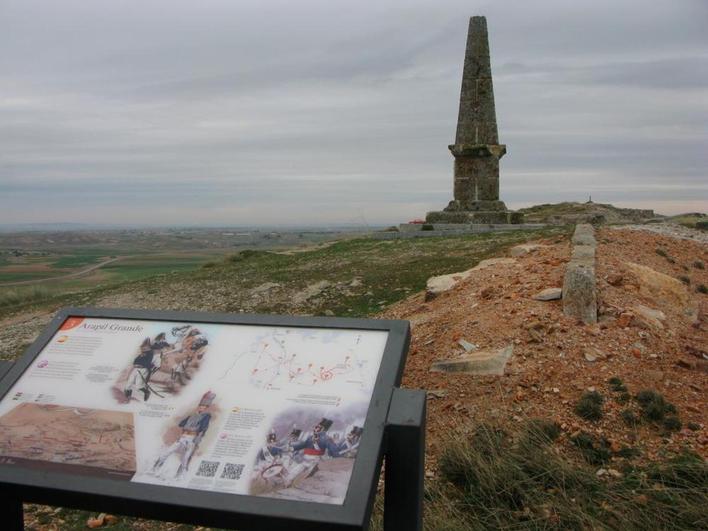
[(263, 112)]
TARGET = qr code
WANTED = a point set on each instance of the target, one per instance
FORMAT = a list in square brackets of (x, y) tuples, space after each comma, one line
[(231, 471), (208, 468)]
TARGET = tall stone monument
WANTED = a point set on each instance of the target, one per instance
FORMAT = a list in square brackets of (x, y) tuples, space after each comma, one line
[(476, 149)]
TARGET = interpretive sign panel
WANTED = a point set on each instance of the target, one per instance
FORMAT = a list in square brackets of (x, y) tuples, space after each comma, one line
[(253, 406)]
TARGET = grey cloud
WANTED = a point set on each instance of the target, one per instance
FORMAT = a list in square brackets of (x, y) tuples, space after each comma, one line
[(672, 73), (323, 110)]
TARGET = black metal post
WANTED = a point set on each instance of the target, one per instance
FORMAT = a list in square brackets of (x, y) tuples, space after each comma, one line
[(11, 505), (405, 461), (12, 515)]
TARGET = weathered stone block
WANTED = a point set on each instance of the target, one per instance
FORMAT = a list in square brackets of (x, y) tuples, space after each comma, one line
[(660, 287), (579, 285), (549, 294), (583, 254), (479, 362), (584, 235), (579, 293)]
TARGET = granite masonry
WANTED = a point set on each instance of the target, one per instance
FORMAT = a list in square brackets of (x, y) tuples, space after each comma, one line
[(476, 149)]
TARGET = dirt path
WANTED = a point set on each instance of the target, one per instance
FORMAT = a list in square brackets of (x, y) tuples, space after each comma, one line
[(76, 274)]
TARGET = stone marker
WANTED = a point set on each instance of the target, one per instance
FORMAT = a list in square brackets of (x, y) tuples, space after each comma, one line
[(579, 288), (479, 362), (476, 149)]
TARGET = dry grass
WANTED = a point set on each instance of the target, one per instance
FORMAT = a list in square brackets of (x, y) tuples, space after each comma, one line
[(495, 480)]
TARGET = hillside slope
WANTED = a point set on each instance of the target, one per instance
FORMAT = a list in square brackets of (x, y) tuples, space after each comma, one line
[(349, 278), (620, 405), (556, 359)]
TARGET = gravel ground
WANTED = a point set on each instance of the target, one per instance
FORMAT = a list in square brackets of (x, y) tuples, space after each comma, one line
[(549, 370), (670, 229)]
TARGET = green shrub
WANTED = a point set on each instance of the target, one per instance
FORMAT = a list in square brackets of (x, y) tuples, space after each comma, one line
[(623, 397), (595, 452), (589, 406), (616, 385), (653, 405), (699, 265), (672, 423), (685, 280), (26, 295), (542, 430), (427, 226), (661, 252), (702, 289)]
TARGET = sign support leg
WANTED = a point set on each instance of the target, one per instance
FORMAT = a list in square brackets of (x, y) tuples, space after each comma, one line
[(12, 513), (405, 461)]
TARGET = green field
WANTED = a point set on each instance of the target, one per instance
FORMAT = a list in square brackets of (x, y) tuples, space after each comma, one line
[(138, 267), (79, 260), (125, 269)]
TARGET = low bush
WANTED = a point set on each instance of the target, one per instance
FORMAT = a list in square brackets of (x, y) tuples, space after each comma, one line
[(595, 452), (672, 423), (616, 385), (623, 398), (492, 479), (27, 295), (589, 406), (654, 407)]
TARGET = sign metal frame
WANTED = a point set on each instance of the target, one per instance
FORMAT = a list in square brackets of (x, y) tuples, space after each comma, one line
[(184, 505)]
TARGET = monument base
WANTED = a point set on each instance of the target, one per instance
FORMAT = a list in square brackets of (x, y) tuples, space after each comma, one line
[(476, 206), (497, 217)]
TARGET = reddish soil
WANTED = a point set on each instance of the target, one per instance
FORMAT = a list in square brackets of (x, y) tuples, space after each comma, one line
[(548, 371)]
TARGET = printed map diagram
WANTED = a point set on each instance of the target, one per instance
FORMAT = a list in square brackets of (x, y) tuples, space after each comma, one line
[(284, 357)]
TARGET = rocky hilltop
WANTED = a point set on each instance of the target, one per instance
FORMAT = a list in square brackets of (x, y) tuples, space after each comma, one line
[(595, 213)]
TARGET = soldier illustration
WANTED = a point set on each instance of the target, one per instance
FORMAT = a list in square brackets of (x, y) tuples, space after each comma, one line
[(145, 365), (271, 450), (194, 427), (350, 446), (294, 435), (180, 371), (191, 346), (312, 449), (194, 342)]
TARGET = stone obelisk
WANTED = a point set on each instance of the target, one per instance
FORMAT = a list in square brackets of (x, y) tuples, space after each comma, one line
[(476, 149)]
